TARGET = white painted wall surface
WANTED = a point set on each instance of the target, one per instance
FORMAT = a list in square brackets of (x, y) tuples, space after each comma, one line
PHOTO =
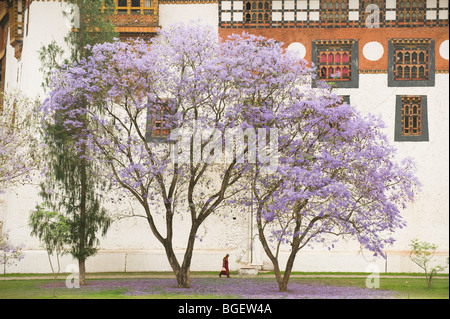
[(174, 13), (46, 23)]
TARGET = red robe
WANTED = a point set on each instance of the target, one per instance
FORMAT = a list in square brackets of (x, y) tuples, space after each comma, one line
[(225, 265)]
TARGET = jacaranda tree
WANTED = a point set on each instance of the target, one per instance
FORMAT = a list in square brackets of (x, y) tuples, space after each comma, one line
[(337, 177), (222, 101)]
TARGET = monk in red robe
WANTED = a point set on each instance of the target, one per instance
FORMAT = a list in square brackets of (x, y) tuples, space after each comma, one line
[(225, 270)]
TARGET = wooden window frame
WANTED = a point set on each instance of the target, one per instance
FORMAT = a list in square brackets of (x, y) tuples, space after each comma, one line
[(157, 121), (411, 12), (334, 48), (256, 14), (398, 64), (411, 118), (332, 16), (132, 8)]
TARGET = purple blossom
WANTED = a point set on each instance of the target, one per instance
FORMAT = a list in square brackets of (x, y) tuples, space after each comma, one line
[(247, 288)]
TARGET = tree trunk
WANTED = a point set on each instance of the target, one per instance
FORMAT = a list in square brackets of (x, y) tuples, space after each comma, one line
[(282, 285), (82, 225), (183, 272), (184, 277), (82, 272)]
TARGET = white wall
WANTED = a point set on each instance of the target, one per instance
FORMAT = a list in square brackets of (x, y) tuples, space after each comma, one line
[(46, 23), (174, 13)]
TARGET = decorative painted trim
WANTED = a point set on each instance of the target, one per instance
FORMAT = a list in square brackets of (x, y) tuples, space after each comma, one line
[(311, 14), (186, 1), (373, 71), (16, 26)]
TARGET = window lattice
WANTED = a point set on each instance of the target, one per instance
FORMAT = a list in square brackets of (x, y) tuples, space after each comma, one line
[(334, 62), (160, 120), (374, 10), (411, 116), (334, 11), (257, 11), (411, 61), (134, 6), (411, 11)]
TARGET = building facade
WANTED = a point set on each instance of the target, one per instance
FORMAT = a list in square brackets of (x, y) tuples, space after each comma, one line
[(387, 57)]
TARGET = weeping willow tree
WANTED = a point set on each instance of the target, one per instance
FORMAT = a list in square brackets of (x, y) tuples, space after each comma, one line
[(71, 186)]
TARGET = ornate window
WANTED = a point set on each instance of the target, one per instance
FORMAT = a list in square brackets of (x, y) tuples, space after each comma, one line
[(336, 61), (134, 6), (411, 62), (135, 18), (257, 11), (411, 118), (334, 11), (158, 121), (411, 11)]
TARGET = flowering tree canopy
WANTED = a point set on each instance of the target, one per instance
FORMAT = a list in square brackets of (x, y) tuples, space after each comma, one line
[(321, 158), (337, 175), (9, 253), (17, 140)]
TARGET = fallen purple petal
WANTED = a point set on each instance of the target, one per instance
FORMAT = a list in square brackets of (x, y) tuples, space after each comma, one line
[(248, 288)]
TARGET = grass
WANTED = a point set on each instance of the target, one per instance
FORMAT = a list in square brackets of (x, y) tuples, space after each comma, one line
[(38, 288), (33, 289), (407, 288)]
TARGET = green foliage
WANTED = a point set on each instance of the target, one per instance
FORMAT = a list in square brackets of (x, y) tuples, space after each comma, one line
[(71, 186), (9, 253), (421, 254), (51, 228), (51, 58), (94, 26)]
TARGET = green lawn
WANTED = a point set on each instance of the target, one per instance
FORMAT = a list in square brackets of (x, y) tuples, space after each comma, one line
[(414, 288), (32, 289), (407, 288)]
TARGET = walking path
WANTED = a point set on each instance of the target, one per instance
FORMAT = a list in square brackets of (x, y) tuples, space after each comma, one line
[(168, 275)]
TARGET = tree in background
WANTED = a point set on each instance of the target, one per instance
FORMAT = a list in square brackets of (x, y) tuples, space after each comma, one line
[(422, 254), (71, 185), (53, 230), (9, 253), (18, 143)]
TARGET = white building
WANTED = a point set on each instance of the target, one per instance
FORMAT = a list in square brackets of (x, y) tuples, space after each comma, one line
[(379, 78)]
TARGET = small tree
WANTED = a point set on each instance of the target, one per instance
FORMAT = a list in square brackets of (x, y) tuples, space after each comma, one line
[(421, 254), (71, 186), (9, 253), (53, 231)]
